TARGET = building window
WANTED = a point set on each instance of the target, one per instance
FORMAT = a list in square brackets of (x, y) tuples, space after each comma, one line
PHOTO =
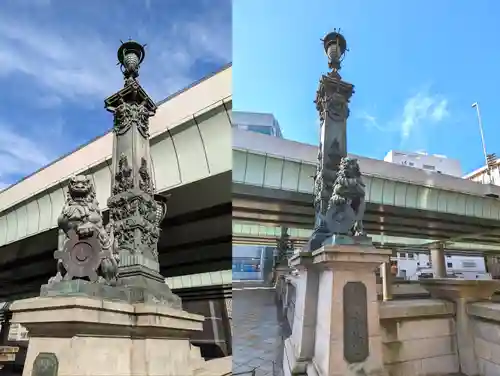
[(449, 265), (468, 264), (428, 167), (410, 255), (402, 254), (261, 129)]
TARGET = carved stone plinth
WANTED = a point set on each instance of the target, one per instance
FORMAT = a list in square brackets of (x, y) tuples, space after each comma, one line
[(99, 337), (148, 286), (347, 336)]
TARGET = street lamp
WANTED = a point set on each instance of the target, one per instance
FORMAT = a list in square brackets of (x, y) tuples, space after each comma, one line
[(335, 47), (486, 159)]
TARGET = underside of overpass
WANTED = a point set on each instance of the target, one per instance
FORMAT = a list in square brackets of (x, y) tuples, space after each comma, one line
[(195, 238), (276, 207)]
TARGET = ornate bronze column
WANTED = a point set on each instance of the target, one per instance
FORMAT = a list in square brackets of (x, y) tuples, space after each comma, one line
[(332, 103), (134, 212), (283, 245)]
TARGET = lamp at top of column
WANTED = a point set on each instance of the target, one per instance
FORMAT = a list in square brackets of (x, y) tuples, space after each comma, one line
[(130, 56), (335, 48)]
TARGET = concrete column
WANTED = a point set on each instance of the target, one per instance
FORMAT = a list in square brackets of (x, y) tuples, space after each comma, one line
[(492, 266), (438, 260), (386, 275)]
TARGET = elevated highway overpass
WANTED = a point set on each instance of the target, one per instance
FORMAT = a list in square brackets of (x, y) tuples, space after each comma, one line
[(273, 184), (248, 233), (191, 159)]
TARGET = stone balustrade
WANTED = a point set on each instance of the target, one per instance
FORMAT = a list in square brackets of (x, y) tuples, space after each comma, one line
[(485, 318), (428, 336), (418, 337)]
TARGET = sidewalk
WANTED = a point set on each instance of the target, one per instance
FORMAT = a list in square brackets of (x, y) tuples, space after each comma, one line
[(257, 332)]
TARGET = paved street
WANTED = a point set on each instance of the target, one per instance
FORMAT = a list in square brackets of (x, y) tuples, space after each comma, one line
[(257, 331)]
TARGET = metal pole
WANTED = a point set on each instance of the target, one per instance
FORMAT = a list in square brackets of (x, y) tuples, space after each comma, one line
[(476, 105)]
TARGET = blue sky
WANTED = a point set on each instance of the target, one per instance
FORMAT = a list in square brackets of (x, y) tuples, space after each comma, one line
[(57, 65), (417, 67)]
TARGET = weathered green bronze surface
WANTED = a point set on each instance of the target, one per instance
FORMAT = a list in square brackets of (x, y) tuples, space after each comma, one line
[(332, 103), (45, 364), (120, 260)]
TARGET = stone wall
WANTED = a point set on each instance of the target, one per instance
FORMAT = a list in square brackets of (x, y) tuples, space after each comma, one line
[(419, 337), (485, 319)]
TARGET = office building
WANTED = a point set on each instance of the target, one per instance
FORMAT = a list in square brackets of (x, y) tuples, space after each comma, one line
[(431, 162), (256, 122)]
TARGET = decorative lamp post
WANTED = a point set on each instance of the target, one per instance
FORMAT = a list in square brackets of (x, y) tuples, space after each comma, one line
[(135, 211), (332, 103), (282, 247)]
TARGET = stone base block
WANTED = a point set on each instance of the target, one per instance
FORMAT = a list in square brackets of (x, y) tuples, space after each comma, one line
[(140, 287), (348, 336), (148, 285), (88, 336)]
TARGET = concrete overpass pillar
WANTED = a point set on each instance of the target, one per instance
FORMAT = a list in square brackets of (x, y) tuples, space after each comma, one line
[(438, 260)]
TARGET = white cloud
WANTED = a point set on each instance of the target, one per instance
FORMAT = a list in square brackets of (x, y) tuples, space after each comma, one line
[(75, 69), (420, 113), (20, 154), (370, 121), (75, 66), (420, 110)]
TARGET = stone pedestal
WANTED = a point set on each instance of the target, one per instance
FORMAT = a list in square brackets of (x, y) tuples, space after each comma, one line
[(462, 292), (299, 347), (348, 337), (87, 336)]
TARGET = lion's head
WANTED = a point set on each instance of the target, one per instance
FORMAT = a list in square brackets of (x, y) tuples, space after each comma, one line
[(80, 186), (350, 168)]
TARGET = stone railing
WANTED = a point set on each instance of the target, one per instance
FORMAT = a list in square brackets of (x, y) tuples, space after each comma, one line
[(485, 323), (401, 289), (286, 292), (418, 337), (430, 327)]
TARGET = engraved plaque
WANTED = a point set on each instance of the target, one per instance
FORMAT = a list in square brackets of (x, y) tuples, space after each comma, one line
[(356, 348), (45, 364)]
